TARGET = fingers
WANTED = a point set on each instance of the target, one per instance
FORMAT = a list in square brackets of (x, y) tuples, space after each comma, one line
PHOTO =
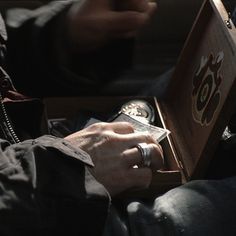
[(130, 140), (132, 157), (119, 135), (116, 127), (121, 127), (139, 178), (123, 180), (112, 147), (157, 157)]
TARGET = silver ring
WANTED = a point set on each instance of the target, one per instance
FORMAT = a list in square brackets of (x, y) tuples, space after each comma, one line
[(145, 151)]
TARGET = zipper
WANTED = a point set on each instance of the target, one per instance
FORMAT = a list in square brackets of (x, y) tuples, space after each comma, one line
[(6, 125)]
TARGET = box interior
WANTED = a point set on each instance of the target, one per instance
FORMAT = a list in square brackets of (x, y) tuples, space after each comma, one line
[(57, 108)]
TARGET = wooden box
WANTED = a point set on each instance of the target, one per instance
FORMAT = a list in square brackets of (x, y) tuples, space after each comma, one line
[(199, 102)]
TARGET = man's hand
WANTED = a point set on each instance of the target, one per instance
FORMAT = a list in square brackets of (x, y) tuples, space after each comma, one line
[(91, 23), (112, 147)]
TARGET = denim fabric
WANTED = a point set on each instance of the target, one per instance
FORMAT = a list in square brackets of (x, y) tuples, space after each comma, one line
[(197, 208)]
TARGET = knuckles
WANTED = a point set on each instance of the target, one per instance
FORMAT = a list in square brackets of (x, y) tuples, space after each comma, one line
[(108, 138), (147, 138), (98, 127), (128, 126)]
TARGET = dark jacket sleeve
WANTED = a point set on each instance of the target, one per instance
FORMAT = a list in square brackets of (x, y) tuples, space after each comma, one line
[(46, 189), (34, 57)]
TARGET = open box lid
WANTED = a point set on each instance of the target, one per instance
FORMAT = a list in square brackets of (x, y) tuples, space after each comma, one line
[(202, 93)]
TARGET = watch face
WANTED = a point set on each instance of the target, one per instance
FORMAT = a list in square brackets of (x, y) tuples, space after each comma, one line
[(140, 110)]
